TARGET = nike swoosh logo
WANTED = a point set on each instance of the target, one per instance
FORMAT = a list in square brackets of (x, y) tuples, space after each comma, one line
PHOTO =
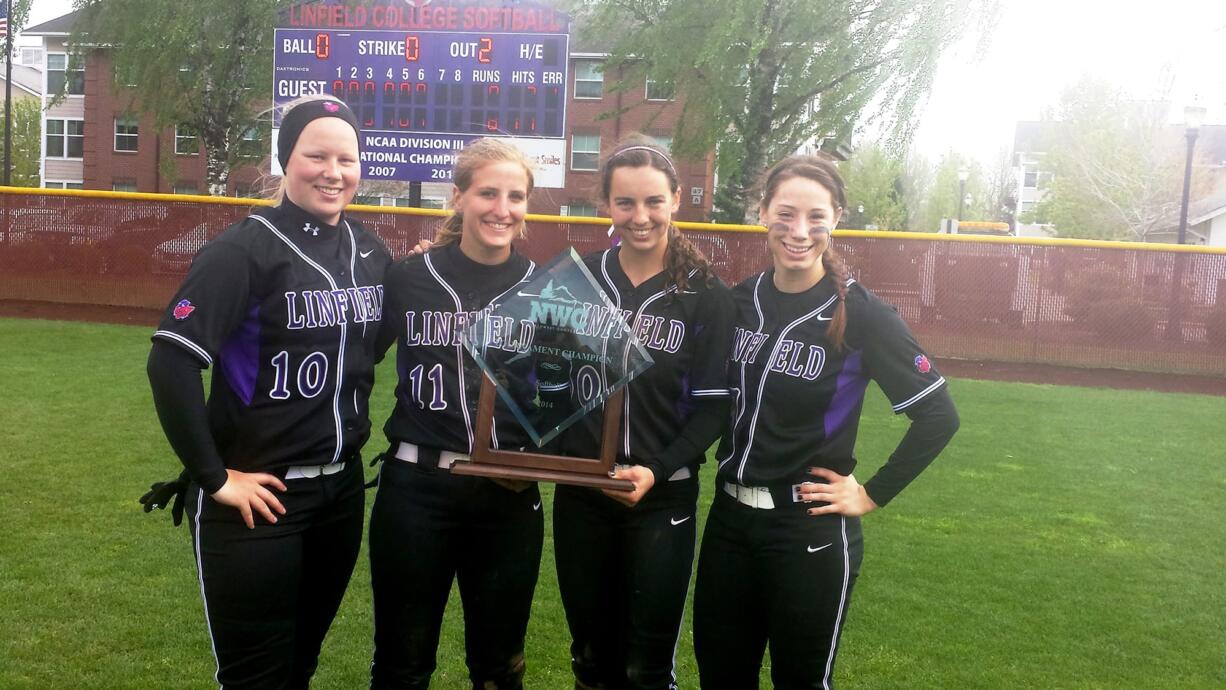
[(366, 253), (824, 318), (537, 506), (676, 522), (815, 549)]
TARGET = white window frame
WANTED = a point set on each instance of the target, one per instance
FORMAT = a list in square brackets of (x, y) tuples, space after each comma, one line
[(66, 70), (672, 91), (63, 184), (185, 188), (64, 135), (581, 209), (248, 143), (593, 152), (588, 79), (134, 135), (180, 137)]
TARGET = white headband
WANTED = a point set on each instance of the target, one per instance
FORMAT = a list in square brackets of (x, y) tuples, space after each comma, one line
[(646, 148)]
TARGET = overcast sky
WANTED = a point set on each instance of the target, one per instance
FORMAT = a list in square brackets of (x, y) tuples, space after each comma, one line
[(1040, 46)]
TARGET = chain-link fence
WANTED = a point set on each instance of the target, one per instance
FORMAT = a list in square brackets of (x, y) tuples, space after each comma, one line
[(1089, 304)]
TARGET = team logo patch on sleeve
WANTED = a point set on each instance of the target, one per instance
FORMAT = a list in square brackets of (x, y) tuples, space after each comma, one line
[(922, 365), (183, 310)]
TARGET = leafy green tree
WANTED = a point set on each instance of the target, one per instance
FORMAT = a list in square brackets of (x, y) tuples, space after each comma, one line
[(207, 65), (942, 192), (1116, 169), (759, 78), (27, 142), (874, 180)]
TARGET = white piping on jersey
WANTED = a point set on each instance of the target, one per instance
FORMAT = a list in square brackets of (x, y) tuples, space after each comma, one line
[(353, 273), (766, 370), (353, 280), (489, 307), (741, 397), (920, 395), (711, 393), (459, 351), (617, 302), (200, 574), (604, 269), (838, 621), (340, 353), (195, 349)]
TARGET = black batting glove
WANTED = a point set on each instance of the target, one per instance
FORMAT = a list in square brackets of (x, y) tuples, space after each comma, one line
[(160, 494)]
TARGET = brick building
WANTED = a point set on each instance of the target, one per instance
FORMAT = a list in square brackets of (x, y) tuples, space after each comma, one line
[(95, 140)]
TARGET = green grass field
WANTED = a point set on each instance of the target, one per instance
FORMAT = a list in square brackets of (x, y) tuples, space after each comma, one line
[(1068, 538)]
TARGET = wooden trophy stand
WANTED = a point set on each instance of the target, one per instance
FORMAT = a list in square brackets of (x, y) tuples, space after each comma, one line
[(560, 469)]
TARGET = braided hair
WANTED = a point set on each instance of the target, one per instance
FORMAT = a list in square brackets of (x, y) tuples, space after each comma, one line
[(821, 170), (681, 257)]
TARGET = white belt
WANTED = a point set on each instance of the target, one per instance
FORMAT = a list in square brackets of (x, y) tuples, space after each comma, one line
[(446, 458), (683, 473), (313, 471), (757, 496)]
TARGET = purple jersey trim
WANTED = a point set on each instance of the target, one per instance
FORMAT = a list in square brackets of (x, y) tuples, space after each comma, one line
[(848, 394), (240, 356)]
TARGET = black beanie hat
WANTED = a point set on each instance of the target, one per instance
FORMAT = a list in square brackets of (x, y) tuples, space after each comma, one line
[(303, 114)]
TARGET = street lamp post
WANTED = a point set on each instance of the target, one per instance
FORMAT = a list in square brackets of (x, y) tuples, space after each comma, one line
[(963, 175), (1192, 117)]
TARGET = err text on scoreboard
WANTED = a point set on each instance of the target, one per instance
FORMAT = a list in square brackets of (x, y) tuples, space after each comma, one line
[(419, 96)]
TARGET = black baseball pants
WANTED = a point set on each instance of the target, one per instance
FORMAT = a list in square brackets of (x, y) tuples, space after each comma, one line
[(429, 527), (623, 574), (779, 577), (270, 593)]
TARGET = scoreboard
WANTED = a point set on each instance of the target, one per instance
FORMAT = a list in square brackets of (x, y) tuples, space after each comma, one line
[(421, 95)]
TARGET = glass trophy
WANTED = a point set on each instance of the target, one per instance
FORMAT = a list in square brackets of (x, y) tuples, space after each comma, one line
[(552, 349)]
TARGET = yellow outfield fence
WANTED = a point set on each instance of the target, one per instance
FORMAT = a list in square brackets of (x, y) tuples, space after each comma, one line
[(1082, 303)]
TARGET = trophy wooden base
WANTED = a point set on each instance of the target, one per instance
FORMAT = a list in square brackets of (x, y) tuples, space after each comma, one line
[(594, 481), (539, 467)]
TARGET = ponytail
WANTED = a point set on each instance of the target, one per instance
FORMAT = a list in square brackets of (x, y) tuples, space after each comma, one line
[(837, 268), (681, 257)]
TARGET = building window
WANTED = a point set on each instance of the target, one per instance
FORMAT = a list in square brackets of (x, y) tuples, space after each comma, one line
[(248, 190), (249, 145), (65, 138), (31, 56), (367, 200), (186, 188), (126, 184), (589, 80), (659, 90), (60, 72), (126, 134), (584, 151), (63, 185), (1031, 179), (186, 141), (665, 141), (581, 208)]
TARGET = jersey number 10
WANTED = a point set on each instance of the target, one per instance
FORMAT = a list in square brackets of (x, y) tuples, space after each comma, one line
[(312, 375)]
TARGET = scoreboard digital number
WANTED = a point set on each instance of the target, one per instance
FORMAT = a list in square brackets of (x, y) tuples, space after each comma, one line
[(402, 84)]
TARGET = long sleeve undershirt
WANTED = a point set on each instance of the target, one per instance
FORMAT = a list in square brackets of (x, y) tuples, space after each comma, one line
[(178, 395), (933, 423), (702, 428)]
